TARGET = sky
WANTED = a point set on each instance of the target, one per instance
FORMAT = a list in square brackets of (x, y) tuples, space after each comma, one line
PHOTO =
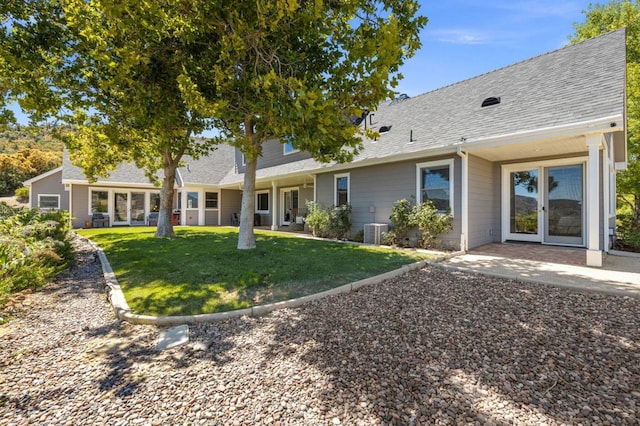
[(466, 38)]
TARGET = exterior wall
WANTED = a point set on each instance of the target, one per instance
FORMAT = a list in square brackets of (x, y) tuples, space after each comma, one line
[(80, 205), (211, 217), (378, 187), (191, 217), (230, 202), (51, 185), (272, 155), (484, 202)]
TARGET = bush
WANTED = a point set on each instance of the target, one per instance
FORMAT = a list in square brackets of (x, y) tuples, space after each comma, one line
[(333, 222), (22, 194), (33, 247), (358, 237), (424, 216)]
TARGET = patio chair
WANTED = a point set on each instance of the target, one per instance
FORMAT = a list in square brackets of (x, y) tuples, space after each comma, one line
[(235, 219), (99, 220), (153, 219)]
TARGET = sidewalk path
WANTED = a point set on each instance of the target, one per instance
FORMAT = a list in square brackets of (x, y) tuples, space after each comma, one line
[(619, 276)]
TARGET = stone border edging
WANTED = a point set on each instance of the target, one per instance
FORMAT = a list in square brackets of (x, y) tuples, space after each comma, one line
[(122, 310), (623, 253)]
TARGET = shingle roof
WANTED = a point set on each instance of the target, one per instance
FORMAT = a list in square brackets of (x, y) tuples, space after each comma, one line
[(573, 84), (125, 173)]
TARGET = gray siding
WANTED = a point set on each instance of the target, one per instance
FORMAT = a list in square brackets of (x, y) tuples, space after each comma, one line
[(272, 155), (51, 185), (80, 205), (230, 202), (211, 217), (484, 202), (378, 187)]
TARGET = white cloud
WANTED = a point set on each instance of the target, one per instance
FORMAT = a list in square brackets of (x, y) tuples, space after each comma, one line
[(461, 36)]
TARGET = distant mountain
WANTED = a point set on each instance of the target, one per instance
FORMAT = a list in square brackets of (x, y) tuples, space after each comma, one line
[(14, 139)]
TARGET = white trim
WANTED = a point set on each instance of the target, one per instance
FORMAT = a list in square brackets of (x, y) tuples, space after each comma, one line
[(598, 125), (593, 193), (209, 209), (109, 192), (28, 182), (281, 210), (284, 148), (540, 166), (263, 191), (446, 162), (464, 214), (57, 196), (335, 187)]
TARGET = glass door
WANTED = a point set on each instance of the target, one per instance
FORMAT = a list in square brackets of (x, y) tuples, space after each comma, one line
[(524, 205), (137, 208), (289, 206), (120, 208), (564, 201)]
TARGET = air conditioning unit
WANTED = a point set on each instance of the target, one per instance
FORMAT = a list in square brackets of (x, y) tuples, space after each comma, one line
[(373, 232)]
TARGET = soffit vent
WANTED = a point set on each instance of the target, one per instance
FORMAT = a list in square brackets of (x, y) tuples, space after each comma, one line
[(490, 101)]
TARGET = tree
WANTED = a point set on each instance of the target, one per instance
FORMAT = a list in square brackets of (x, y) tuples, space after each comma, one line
[(600, 19), (299, 70), (138, 79), (114, 71)]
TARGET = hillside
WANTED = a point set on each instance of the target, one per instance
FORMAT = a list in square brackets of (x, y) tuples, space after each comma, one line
[(17, 138)]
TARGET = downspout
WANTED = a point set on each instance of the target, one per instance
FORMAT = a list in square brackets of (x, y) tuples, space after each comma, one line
[(464, 232)]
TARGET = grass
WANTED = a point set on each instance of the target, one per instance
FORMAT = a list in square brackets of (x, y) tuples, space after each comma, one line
[(201, 271)]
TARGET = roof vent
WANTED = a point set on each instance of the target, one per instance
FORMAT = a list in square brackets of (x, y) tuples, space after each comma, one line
[(490, 101), (384, 129), (400, 98)]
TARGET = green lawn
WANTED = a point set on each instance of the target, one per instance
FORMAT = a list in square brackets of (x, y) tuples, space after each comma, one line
[(201, 271)]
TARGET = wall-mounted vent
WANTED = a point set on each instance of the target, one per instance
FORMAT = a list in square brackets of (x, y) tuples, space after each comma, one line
[(384, 129), (490, 101)]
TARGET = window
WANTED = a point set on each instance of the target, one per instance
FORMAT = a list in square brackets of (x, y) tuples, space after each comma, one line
[(192, 200), (435, 183), (99, 201), (288, 147), (179, 200), (341, 189), (262, 202), (49, 202), (210, 200), (154, 202)]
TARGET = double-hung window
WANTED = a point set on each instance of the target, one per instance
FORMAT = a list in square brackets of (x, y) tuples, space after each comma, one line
[(210, 200), (435, 183), (262, 202), (341, 189), (99, 201)]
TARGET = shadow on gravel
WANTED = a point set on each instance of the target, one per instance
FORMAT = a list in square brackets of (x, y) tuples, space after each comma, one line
[(454, 347)]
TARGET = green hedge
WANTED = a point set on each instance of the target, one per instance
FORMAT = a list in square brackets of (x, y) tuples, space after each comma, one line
[(34, 246)]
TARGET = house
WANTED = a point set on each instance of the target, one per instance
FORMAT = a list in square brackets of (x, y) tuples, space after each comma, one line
[(528, 152)]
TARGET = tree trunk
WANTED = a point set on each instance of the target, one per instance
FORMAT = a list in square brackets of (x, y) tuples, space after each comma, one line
[(165, 224), (246, 238)]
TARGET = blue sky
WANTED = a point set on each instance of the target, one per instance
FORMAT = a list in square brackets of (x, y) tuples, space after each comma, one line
[(465, 38)]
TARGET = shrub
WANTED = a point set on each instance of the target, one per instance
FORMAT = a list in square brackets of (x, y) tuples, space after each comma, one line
[(33, 247), (22, 193), (358, 237), (424, 216), (432, 223), (332, 222)]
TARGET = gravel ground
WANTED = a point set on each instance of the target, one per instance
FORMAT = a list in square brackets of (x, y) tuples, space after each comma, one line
[(429, 347)]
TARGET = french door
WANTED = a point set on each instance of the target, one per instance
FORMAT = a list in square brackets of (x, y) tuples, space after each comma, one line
[(129, 208), (289, 206), (544, 203)]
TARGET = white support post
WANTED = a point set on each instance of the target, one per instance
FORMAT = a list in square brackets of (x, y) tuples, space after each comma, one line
[(183, 210), (464, 213), (594, 254), (274, 206)]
